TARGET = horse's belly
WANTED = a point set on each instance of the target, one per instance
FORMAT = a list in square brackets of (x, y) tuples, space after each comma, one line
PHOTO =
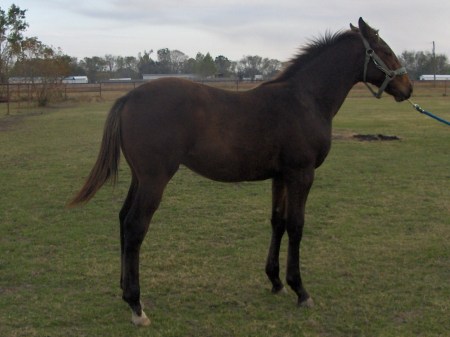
[(231, 168)]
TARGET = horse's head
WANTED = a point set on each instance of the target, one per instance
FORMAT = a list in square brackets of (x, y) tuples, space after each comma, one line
[(381, 67)]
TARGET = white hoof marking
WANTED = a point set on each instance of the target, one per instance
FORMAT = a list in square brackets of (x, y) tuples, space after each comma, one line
[(142, 320), (309, 303)]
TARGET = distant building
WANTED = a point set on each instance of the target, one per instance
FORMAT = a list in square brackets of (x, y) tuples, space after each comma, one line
[(431, 77), (25, 80), (121, 79), (75, 80), (151, 77), (38, 80)]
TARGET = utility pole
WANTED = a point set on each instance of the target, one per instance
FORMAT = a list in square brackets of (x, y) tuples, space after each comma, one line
[(434, 62)]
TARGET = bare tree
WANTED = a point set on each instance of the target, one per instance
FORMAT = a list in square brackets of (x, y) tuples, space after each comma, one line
[(111, 62), (177, 61), (250, 66)]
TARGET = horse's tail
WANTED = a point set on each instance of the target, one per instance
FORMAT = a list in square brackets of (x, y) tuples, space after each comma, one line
[(107, 164)]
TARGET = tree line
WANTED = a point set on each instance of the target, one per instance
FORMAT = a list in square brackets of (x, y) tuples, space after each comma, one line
[(166, 61), (22, 56), (419, 63)]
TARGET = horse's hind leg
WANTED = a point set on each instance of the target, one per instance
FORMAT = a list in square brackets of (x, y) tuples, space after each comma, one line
[(122, 216), (278, 228), (146, 198)]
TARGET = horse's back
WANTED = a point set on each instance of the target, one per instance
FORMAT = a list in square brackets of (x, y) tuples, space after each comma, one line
[(176, 109)]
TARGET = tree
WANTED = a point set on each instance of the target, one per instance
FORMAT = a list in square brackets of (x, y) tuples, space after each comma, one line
[(75, 68), (127, 67), (249, 66), (223, 66), (204, 65), (111, 61), (270, 67), (146, 65), (43, 67), (164, 61), (190, 66), (95, 68), (177, 61), (12, 27)]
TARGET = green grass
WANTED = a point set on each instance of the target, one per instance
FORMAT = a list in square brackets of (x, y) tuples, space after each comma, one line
[(375, 254)]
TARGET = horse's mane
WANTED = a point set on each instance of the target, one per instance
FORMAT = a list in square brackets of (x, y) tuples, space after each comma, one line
[(310, 51)]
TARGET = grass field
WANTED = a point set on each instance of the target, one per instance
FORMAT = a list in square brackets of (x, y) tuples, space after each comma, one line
[(376, 254)]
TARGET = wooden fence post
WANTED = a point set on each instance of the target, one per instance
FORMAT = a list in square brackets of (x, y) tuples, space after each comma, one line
[(7, 98)]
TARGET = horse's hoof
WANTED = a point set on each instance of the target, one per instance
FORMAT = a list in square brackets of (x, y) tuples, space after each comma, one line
[(281, 291), (142, 320), (308, 303)]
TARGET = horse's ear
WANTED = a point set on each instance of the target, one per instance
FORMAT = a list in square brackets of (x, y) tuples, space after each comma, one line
[(368, 32), (354, 29)]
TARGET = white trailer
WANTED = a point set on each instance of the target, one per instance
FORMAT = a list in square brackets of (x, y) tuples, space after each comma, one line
[(75, 80)]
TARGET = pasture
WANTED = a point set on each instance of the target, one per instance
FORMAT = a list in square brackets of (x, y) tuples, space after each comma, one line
[(375, 253)]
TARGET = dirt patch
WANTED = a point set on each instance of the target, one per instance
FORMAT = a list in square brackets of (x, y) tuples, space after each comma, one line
[(363, 138), (9, 122), (378, 137)]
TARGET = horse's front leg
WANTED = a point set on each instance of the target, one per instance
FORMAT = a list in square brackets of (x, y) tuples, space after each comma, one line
[(278, 228), (298, 186)]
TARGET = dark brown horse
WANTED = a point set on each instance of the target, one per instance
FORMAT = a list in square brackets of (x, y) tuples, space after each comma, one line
[(281, 130)]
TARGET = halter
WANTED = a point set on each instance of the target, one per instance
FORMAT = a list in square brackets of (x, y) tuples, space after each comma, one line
[(390, 74)]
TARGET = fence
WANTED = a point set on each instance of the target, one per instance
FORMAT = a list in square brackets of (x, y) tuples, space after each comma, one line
[(28, 94), (31, 94)]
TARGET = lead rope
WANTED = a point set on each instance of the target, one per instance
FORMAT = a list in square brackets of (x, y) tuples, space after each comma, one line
[(429, 114)]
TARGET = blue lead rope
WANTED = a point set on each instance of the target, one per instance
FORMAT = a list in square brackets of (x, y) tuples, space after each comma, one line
[(422, 111)]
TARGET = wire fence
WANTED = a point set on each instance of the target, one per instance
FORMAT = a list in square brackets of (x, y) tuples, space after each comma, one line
[(35, 94), (21, 95)]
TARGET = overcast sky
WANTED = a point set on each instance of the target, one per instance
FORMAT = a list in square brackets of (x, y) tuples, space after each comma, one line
[(269, 28)]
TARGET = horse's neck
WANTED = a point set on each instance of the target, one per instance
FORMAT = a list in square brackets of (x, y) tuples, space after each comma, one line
[(331, 76)]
